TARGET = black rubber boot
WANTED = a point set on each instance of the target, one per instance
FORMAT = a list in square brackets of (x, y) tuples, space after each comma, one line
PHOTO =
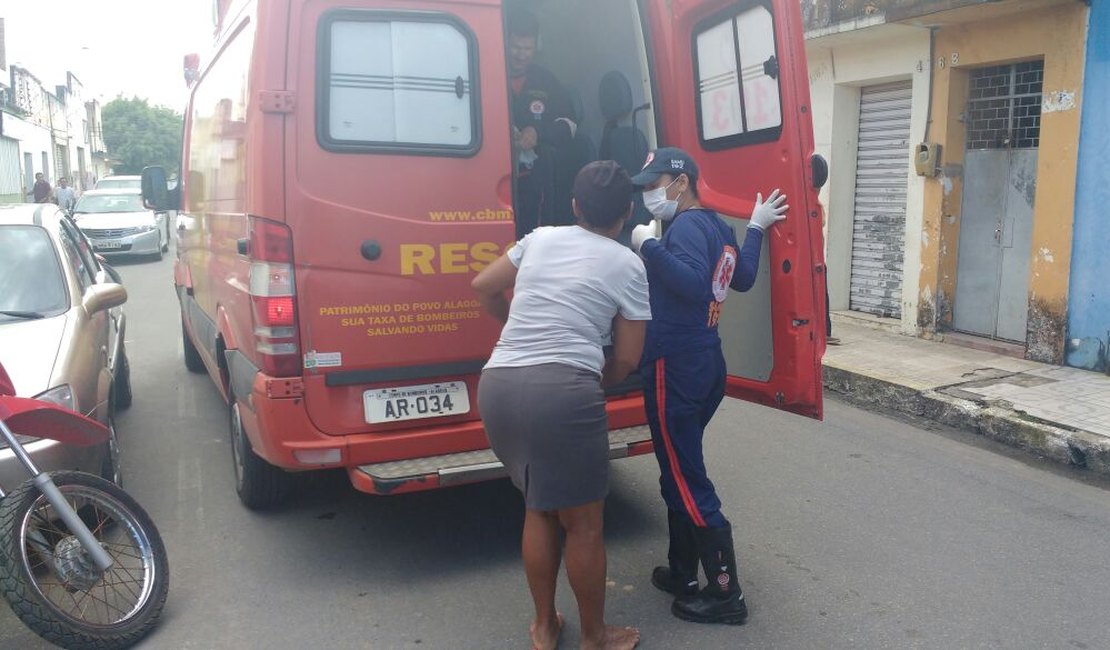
[(681, 576), (722, 600)]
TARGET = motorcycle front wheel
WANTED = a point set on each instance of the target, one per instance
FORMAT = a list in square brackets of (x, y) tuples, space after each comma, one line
[(52, 585)]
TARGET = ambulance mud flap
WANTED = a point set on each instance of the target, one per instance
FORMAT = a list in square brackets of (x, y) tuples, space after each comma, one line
[(242, 373), (473, 466)]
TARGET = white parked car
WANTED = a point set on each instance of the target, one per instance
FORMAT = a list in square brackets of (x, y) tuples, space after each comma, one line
[(120, 183), (117, 223)]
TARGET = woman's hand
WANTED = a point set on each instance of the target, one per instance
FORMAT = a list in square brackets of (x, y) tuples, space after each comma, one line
[(628, 347), (491, 285)]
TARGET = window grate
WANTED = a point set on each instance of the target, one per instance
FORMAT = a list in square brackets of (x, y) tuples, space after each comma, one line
[(1004, 106)]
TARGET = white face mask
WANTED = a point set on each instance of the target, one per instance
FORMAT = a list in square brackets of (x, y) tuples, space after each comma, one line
[(659, 205)]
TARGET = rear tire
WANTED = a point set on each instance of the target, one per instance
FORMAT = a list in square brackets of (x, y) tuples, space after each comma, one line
[(259, 484), (193, 361)]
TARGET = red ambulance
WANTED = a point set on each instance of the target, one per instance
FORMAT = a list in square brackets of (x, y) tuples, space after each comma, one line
[(348, 168)]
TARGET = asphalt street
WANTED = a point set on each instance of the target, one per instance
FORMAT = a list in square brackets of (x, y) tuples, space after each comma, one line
[(864, 531)]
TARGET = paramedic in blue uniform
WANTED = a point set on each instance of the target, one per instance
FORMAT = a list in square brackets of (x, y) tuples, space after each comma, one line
[(690, 271), (541, 123)]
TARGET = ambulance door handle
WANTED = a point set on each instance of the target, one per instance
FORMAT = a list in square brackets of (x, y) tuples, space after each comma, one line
[(371, 250)]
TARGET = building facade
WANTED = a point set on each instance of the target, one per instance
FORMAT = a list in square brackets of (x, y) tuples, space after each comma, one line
[(53, 133), (28, 114), (98, 151), (1088, 343), (73, 146), (976, 239)]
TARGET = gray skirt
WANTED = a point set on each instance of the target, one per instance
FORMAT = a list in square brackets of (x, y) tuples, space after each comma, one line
[(547, 424)]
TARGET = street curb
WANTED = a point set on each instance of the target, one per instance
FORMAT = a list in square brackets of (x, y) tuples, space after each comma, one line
[(995, 420)]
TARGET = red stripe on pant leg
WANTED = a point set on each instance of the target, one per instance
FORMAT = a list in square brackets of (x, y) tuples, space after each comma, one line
[(676, 469)]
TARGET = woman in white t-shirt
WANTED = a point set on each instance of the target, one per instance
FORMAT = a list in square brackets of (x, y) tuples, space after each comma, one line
[(541, 394)]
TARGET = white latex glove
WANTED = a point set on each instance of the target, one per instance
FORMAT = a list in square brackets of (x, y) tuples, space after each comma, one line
[(570, 125), (767, 214), (641, 234)]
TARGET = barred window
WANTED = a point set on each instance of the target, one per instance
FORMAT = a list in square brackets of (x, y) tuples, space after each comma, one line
[(1004, 106)]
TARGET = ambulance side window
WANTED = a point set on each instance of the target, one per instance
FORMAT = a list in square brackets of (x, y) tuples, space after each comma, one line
[(397, 81), (737, 73)]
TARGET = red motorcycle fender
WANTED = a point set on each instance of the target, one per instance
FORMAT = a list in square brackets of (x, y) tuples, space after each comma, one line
[(39, 419), (6, 386)]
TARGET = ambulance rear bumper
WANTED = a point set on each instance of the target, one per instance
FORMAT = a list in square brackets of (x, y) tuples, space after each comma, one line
[(468, 467)]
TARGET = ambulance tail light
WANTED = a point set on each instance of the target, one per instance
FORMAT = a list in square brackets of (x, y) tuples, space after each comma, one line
[(274, 298)]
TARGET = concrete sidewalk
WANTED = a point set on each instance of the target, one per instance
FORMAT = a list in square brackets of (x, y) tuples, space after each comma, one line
[(1055, 412)]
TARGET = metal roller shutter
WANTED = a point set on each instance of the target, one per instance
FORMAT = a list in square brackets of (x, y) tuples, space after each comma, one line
[(882, 168), (11, 184)]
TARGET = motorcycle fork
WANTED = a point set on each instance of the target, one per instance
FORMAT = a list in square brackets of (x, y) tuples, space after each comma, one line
[(53, 495)]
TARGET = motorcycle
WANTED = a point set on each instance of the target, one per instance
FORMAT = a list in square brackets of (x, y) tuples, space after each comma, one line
[(81, 562)]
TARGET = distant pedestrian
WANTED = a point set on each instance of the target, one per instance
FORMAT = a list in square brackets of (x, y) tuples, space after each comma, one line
[(42, 189), (64, 196), (829, 338)]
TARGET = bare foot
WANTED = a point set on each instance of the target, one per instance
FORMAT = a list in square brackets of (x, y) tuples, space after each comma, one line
[(616, 638), (546, 639)]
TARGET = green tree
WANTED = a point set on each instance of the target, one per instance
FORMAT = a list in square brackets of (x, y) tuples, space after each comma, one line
[(138, 134)]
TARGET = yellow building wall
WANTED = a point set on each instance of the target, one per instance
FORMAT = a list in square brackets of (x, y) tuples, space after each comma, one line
[(1058, 35)]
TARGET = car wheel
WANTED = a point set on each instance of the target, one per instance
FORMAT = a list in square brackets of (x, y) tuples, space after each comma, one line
[(193, 362), (110, 469), (122, 384), (259, 484)]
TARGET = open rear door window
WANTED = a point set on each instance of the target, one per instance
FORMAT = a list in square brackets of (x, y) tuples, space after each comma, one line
[(736, 69)]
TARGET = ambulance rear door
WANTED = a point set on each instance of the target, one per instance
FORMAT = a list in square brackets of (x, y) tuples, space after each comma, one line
[(732, 89), (398, 194)]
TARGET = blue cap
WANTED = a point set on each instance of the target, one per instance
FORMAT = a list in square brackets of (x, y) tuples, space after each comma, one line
[(668, 160)]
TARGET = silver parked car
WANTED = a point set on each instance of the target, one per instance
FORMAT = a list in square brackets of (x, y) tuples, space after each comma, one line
[(61, 334), (117, 223)]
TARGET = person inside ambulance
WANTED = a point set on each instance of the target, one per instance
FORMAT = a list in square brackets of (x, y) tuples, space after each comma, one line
[(690, 271), (541, 113)]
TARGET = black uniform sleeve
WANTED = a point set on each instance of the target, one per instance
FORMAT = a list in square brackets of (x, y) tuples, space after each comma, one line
[(682, 264)]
